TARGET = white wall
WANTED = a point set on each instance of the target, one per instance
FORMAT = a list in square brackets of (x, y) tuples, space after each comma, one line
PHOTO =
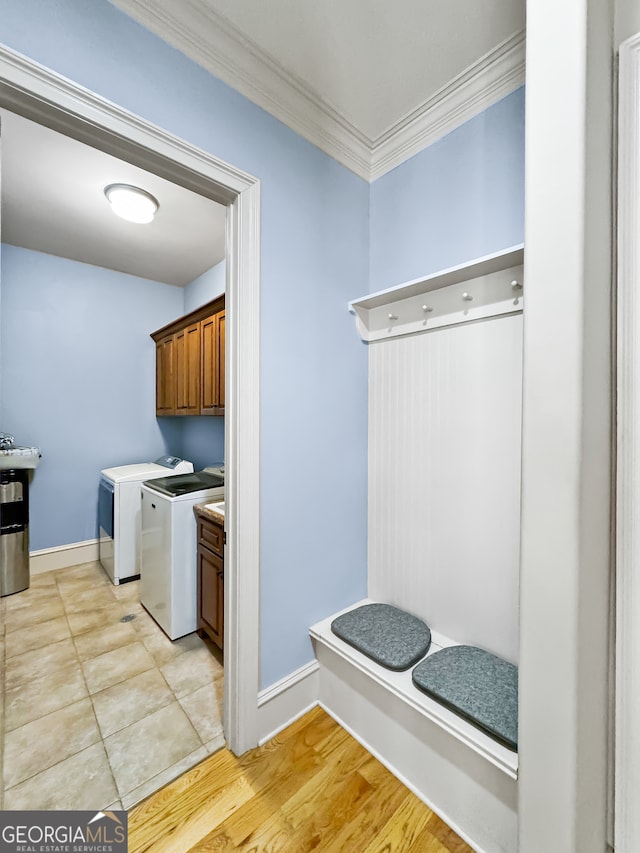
[(445, 410)]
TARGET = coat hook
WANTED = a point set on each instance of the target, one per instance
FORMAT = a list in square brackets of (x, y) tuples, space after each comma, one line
[(467, 297), (516, 285), (393, 316), (427, 309)]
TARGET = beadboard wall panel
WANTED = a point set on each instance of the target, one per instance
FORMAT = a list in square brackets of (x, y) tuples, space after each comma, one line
[(445, 411)]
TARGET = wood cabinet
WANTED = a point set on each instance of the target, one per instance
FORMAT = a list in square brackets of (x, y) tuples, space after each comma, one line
[(187, 370), (213, 365), (165, 385), (211, 580), (190, 363)]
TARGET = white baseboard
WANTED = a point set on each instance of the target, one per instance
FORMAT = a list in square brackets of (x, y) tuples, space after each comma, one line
[(63, 556), (283, 702)]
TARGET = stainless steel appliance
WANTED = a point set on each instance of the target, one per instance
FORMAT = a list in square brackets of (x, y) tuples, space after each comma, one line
[(14, 530)]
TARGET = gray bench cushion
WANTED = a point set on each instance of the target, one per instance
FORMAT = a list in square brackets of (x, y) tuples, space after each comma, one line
[(389, 636), (479, 686)]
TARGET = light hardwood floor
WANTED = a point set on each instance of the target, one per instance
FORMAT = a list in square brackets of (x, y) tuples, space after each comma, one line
[(312, 788)]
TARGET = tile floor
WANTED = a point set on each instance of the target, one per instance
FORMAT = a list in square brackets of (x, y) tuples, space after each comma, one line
[(97, 712)]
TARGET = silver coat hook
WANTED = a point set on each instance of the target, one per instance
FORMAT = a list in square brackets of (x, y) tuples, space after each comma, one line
[(516, 285), (467, 297), (393, 316), (427, 309)]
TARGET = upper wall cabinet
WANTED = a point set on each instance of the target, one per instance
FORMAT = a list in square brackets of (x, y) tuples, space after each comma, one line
[(190, 363)]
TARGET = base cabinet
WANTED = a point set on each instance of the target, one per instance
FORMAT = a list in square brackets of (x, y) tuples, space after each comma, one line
[(211, 580)]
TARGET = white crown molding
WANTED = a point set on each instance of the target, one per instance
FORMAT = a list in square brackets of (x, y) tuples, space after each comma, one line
[(213, 42), (494, 76)]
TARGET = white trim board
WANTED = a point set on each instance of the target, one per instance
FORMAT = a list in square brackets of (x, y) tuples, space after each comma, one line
[(288, 699), (213, 42), (487, 287), (627, 736), (43, 96), (63, 556), (401, 688)]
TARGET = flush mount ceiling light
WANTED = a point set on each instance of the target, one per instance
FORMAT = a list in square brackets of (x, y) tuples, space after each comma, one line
[(131, 203)]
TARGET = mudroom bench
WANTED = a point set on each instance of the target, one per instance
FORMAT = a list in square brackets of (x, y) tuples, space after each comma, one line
[(466, 776)]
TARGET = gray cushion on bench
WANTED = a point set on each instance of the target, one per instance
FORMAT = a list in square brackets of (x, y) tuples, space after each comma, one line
[(479, 686), (389, 636)]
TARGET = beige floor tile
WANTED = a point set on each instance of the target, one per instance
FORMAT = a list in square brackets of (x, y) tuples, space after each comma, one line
[(156, 782), (80, 623), (42, 579), (83, 781), (31, 597), (49, 740), (80, 601), (146, 748), (115, 666), (131, 700), (41, 611), (69, 586), (127, 591), (91, 572), (191, 670), (38, 662), (203, 710), (43, 695), (36, 636), (101, 640), (162, 648)]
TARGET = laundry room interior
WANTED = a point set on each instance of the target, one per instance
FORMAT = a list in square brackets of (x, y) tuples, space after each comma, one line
[(83, 291)]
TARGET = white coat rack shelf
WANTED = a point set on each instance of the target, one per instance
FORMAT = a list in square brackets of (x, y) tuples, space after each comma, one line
[(488, 287)]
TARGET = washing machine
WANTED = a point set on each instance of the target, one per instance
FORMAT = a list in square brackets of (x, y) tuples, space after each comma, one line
[(168, 554), (119, 513)]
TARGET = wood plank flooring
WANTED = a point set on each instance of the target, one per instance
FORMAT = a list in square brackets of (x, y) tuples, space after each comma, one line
[(312, 788)]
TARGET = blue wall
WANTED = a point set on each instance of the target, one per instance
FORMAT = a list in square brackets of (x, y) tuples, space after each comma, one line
[(78, 380), (459, 199), (326, 238), (314, 246), (206, 287), (203, 438)]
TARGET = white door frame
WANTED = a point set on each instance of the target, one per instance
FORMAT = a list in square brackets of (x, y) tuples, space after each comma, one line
[(627, 788), (52, 100)]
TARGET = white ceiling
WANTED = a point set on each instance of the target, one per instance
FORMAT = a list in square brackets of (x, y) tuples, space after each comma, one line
[(374, 61), (371, 82), (53, 201)]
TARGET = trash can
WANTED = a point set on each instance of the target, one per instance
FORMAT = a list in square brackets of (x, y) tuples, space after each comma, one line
[(14, 530)]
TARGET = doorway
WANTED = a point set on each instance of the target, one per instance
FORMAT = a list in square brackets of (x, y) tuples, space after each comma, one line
[(45, 97)]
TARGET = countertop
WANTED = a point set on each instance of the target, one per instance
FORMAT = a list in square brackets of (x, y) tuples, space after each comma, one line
[(202, 511)]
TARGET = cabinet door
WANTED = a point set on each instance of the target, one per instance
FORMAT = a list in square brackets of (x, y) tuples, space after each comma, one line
[(211, 329), (165, 379), (221, 359), (211, 595), (187, 362)]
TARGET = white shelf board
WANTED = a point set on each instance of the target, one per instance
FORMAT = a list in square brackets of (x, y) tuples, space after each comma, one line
[(473, 291), (401, 685)]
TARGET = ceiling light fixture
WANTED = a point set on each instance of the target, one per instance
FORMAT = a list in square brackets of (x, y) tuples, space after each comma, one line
[(131, 203)]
